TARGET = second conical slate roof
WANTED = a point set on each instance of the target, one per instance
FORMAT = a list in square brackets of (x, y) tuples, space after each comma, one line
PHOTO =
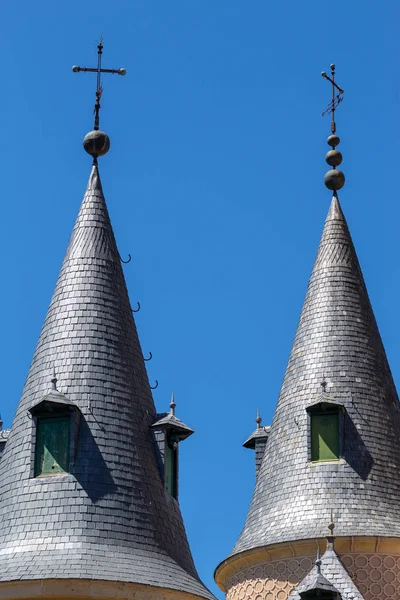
[(337, 340), (110, 518)]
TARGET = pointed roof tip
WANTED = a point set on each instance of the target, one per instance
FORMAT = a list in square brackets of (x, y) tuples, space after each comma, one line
[(172, 404), (54, 380), (94, 182), (258, 434), (335, 210)]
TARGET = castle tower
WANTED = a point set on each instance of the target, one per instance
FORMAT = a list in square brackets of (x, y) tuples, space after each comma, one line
[(329, 479), (88, 476)]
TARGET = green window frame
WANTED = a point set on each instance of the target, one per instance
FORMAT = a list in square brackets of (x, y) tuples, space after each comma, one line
[(171, 467), (325, 436), (52, 449)]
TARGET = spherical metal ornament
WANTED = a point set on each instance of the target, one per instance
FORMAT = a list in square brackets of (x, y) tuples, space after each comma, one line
[(334, 158), (334, 179), (333, 140), (96, 143)]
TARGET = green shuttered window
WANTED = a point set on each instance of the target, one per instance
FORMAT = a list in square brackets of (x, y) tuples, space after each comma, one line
[(325, 436), (52, 445)]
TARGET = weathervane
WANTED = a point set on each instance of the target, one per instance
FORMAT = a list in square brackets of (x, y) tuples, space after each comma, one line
[(97, 143), (334, 179), (99, 70), (336, 99)]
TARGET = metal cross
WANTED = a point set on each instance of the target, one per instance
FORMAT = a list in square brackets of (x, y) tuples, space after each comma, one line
[(336, 99), (99, 70)]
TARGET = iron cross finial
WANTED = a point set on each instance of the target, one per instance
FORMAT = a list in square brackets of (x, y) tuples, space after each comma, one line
[(336, 99), (99, 87)]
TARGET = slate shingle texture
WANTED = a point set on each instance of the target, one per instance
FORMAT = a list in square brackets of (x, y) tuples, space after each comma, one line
[(337, 339), (110, 518)]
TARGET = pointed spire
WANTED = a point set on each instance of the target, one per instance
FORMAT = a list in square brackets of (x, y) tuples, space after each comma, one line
[(337, 337), (54, 380), (318, 561), (90, 334), (172, 404), (331, 537), (258, 419)]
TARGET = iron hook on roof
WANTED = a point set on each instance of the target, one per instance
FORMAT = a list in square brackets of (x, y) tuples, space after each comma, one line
[(155, 386), (150, 357), (136, 309), (125, 261)]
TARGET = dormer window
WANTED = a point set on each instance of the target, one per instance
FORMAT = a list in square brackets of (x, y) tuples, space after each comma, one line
[(56, 424), (169, 431), (325, 431)]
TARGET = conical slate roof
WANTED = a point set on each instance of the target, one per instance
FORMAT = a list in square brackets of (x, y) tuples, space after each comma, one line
[(111, 518), (337, 339)]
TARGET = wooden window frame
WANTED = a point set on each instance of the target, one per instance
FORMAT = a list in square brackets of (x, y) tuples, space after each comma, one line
[(325, 408), (39, 459)]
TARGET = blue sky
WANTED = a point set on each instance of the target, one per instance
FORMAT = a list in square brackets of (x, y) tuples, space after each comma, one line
[(214, 183)]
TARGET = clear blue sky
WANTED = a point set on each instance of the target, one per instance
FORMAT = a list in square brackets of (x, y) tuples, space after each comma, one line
[(215, 186)]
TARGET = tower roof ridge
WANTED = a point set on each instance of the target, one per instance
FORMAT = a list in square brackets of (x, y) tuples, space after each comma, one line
[(89, 338), (338, 342)]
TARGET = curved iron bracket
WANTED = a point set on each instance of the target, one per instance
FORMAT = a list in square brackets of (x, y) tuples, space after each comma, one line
[(125, 261), (136, 309), (155, 386), (150, 357)]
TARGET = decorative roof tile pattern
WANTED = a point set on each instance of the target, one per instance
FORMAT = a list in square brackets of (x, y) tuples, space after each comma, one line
[(337, 340), (110, 518)]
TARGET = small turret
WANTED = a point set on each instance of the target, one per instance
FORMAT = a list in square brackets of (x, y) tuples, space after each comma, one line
[(258, 441), (169, 431)]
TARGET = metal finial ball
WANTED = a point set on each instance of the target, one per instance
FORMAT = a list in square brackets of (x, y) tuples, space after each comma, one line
[(334, 179), (96, 143), (333, 140), (334, 158)]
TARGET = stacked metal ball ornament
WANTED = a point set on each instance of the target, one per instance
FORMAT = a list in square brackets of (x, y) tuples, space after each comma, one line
[(334, 179)]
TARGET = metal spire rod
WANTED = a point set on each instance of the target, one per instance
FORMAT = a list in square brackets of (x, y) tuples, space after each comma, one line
[(99, 87), (336, 99)]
